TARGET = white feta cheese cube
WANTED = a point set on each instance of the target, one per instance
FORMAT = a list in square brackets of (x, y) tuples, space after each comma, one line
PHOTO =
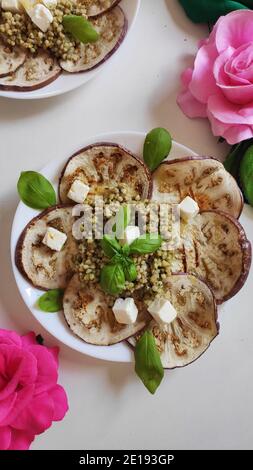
[(125, 311), (54, 239), (78, 191), (131, 233), (11, 5), (41, 17), (162, 311), (188, 208), (49, 3)]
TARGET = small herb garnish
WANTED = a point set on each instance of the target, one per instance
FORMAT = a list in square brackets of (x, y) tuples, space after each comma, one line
[(51, 301), (80, 28), (148, 365), (157, 147), (112, 278), (146, 244), (35, 190)]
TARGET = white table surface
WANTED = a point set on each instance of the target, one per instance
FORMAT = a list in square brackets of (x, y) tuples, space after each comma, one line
[(205, 405)]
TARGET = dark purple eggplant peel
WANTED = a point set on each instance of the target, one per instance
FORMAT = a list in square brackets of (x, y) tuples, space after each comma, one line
[(89, 317), (103, 164), (99, 8), (209, 267), (104, 47), (42, 267), (185, 339), (44, 69), (202, 178)]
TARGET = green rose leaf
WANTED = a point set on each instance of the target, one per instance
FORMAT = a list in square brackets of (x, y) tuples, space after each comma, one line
[(157, 147), (51, 301), (35, 190), (208, 11), (112, 278), (145, 244), (148, 365), (80, 28), (246, 175)]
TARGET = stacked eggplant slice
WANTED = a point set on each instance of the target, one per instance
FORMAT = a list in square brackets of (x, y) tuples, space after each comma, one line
[(214, 256), (22, 71)]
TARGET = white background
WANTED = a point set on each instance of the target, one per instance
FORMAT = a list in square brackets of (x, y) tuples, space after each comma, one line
[(205, 405)]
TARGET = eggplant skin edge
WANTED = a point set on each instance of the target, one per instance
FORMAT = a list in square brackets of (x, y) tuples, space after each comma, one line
[(111, 52), (216, 322), (204, 157), (33, 87), (106, 10), (247, 256), (19, 246), (109, 144)]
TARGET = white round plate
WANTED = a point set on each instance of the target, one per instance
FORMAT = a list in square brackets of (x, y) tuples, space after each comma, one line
[(69, 81), (55, 322)]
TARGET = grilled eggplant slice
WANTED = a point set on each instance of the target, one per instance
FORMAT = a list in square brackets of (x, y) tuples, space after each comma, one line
[(99, 7), (100, 165), (88, 315), (216, 249), (189, 335), (112, 27), (43, 267), (202, 178), (10, 59), (37, 71)]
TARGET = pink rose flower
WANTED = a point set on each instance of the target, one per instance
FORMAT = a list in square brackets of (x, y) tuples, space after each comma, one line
[(220, 85), (30, 398)]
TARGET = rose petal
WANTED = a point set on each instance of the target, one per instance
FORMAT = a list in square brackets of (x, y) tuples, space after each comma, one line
[(20, 368), (9, 337), (60, 399), (190, 106), (29, 339), (232, 134), (37, 416), (227, 112), (5, 437), (20, 440), (23, 398), (6, 406), (47, 373), (203, 83), (234, 30)]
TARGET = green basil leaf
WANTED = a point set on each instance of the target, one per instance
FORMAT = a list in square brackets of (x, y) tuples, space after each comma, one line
[(125, 249), (208, 11), (130, 270), (246, 175), (148, 365), (51, 301), (146, 244), (80, 28), (112, 279), (35, 190), (110, 246), (123, 218), (157, 146)]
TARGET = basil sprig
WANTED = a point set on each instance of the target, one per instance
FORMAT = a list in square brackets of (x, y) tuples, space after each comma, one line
[(51, 301), (112, 278), (148, 365), (157, 147), (146, 244), (80, 28), (35, 190), (129, 269)]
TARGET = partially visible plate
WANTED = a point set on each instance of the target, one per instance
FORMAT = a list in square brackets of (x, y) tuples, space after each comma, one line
[(69, 81), (55, 323)]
